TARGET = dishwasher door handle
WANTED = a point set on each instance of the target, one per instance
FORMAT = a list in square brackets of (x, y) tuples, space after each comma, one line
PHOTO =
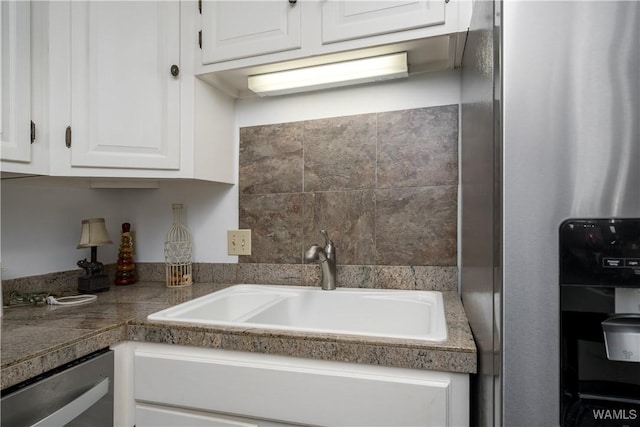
[(73, 409)]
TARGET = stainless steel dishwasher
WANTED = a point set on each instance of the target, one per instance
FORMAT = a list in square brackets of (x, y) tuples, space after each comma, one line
[(79, 393)]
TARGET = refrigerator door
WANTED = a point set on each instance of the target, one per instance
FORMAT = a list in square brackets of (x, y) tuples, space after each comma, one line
[(550, 131), (570, 111)]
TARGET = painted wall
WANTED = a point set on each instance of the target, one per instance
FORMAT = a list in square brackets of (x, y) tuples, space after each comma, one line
[(40, 221)]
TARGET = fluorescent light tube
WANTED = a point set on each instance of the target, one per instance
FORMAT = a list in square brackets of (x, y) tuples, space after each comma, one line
[(325, 76)]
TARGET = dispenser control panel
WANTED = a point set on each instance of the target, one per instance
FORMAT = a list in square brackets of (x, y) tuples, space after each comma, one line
[(600, 252)]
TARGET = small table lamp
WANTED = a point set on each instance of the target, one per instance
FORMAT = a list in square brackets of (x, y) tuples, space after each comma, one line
[(93, 234)]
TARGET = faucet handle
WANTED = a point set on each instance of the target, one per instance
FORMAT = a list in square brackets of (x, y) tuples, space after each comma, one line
[(327, 240), (329, 247)]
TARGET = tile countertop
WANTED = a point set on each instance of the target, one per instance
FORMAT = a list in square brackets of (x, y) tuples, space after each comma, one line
[(37, 339)]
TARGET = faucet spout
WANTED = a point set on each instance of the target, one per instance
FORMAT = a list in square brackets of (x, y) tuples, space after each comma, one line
[(315, 254), (327, 258)]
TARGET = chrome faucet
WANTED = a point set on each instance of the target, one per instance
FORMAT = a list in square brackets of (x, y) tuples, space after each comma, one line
[(327, 259)]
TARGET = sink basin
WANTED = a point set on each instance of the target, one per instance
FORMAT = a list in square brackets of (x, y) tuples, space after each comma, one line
[(380, 313)]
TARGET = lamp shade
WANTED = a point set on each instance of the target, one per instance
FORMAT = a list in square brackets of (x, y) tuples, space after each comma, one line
[(94, 233)]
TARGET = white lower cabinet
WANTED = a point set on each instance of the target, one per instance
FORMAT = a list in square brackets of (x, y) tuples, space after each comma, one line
[(177, 385)]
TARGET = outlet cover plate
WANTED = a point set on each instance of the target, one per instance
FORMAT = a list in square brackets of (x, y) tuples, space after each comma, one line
[(239, 242)]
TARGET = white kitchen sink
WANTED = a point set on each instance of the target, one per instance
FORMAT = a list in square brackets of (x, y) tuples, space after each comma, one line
[(380, 313)]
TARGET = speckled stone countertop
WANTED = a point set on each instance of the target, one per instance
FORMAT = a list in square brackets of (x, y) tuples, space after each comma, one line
[(37, 339)]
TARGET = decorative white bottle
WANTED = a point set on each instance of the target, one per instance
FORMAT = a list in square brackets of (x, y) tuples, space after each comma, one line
[(178, 249)]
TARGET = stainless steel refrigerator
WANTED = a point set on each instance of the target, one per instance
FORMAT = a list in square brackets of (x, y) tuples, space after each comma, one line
[(549, 131)]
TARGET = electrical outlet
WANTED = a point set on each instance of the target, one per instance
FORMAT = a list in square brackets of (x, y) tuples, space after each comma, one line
[(239, 242)]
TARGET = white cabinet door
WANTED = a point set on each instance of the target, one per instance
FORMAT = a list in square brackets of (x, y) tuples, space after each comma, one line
[(288, 390), (15, 76), (348, 19), (125, 102), (239, 29)]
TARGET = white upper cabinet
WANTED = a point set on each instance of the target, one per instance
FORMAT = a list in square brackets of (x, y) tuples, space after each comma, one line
[(125, 100), (15, 75), (348, 20), (241, 38), (238, 29), (122, 97)]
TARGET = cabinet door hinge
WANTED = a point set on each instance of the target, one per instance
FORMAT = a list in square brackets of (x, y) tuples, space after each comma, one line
[(67, 137), (33, 132), (200, 39), (200, 6)]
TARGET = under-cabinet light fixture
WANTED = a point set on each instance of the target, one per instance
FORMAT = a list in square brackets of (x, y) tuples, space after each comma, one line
[(331, 75)]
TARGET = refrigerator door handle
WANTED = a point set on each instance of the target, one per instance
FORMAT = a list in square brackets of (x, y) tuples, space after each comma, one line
[(73, 409)]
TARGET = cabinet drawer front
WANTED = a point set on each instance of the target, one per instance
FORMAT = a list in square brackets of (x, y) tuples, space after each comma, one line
[(348, 20), (154, 416), (150, 415), (278, 388), (239, 29)]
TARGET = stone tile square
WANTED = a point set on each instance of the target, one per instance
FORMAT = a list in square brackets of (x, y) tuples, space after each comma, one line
[(270, 274), (340, 153), (271, 159), (424, 278), (356, 276), (275, 221), (416, 226), (418, 147), (348, 217)]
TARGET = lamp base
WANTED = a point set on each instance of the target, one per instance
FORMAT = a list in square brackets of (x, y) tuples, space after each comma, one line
[(89, 284)]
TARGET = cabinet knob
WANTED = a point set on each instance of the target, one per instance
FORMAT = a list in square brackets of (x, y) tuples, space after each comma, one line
[(175, 70)]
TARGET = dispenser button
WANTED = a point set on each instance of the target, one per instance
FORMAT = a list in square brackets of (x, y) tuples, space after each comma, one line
[(612, 262), (632, 262)]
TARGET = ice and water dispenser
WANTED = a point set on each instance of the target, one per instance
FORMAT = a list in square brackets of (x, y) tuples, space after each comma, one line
[(600, 322)]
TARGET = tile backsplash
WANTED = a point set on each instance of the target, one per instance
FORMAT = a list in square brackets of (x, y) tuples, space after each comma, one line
[(383, 185)]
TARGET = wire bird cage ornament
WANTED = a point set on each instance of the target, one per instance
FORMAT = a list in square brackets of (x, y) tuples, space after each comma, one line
[(178, 249)]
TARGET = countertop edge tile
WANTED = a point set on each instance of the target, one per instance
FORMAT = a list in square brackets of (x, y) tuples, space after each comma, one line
[(33, 366)]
